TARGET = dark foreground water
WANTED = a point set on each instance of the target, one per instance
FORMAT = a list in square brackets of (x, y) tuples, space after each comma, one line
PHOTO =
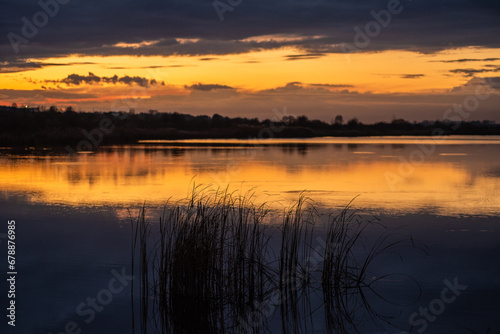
[(73, 234)]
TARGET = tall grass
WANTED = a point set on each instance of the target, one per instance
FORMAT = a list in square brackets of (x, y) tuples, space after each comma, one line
[(345, 271), (212, 260)]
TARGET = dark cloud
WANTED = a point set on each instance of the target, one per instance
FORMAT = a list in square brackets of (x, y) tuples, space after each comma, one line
[(143, 82), (290, 87), (192, 27), (294, 86), (21, 65), (469, 72), (475, 82), (91, 78), (208, 87), (304, 56), (331, 85), (142, 67), (493, 82), (18, 66), (412, 76), (161, 66), (42, 94), (76, 79), (465, 60)]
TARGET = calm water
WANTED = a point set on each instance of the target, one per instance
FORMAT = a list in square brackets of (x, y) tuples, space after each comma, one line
[(73, 232)]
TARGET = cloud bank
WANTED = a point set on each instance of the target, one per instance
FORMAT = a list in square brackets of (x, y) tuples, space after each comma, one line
[(192, 27)]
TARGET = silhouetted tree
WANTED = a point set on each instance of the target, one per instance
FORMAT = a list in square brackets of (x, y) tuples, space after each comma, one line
[(339, 120), (302, 120), (353, 122), (288, 119), (28, 126)]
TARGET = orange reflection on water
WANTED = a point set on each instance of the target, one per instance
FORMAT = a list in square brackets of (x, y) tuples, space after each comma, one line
[(331, 177)]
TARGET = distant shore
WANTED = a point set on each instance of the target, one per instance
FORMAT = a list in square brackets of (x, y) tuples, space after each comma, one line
[(87, 131)]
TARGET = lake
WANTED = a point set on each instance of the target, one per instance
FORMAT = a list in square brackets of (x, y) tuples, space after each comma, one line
[(73, 233)]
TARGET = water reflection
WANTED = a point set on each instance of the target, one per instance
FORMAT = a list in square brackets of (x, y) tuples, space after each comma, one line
[(455, 179), (68, 251)]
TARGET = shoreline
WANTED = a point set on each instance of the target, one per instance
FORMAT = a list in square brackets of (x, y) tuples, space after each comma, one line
[(87, 131)]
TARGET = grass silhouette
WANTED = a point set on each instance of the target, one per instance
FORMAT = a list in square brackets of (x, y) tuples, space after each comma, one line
[(215, 265)]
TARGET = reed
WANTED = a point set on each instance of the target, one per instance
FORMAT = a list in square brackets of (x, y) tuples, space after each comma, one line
[(210, 261)]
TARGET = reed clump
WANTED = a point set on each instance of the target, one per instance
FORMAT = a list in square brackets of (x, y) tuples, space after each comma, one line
[(212, 260)]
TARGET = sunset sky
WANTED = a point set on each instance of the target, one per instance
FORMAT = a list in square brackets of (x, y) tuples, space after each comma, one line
[(374, 60)]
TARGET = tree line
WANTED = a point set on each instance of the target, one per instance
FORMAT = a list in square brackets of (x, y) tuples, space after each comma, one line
[(33, 126)]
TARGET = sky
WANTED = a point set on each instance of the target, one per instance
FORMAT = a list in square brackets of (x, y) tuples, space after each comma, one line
[(369, 59)]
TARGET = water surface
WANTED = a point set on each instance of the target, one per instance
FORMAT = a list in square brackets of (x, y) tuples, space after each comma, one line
[(73, 213)]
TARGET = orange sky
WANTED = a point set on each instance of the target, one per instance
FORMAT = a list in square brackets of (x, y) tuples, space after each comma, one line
[(332, 77), (368, 72)]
